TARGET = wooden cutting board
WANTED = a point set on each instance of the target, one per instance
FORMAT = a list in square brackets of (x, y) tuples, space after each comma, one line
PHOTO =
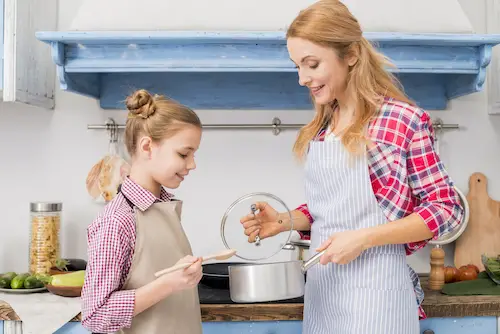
[(482, 235)]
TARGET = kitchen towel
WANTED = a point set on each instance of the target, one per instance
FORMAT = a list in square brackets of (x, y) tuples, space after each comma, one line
[(42, 313), (482, 285)]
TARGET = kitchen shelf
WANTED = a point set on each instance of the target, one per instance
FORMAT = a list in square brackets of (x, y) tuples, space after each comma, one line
[(250, 70)]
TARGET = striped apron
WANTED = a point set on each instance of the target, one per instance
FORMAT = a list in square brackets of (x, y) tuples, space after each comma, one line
[(373, 294)]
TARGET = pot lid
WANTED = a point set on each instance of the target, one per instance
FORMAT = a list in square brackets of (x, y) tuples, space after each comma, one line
[(232, 231)]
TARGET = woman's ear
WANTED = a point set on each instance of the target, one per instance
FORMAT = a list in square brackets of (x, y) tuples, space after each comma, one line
[(352, 56), (352, 60)]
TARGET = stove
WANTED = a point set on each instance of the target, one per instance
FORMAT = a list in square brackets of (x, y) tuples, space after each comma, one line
[(209, 295)]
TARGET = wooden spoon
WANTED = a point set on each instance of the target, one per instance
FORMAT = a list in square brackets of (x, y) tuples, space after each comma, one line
[(223, 255)]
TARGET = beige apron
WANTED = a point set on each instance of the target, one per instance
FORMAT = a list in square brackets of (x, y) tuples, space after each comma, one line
[(160, 243)]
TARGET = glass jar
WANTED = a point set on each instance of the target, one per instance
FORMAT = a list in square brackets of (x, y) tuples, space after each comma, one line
[(44, 236)]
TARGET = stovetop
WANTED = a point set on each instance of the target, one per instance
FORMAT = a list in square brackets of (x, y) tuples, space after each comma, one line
[(209, 295)]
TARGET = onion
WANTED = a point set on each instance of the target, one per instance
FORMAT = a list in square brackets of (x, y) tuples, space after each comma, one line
[(450, 274)]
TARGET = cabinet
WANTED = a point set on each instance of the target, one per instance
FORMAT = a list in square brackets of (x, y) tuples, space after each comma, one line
[(27, 70), (468, 325)]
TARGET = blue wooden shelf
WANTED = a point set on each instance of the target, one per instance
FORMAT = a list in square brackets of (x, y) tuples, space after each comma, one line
[(251, 70)]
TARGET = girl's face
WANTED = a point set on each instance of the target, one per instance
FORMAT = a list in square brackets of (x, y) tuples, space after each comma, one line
[(320, 69), (170, 161)]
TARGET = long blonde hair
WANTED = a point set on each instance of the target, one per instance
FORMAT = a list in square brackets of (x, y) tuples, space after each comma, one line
[(155, 116), (329, 23)]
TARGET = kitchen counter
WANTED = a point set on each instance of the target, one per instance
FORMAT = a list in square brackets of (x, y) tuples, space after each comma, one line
[(216, 306)]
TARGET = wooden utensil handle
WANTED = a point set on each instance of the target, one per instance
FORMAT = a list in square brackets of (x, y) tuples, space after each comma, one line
[(172, 269)]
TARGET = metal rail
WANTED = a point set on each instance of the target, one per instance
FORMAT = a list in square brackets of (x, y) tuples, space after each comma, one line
[(275, 125)]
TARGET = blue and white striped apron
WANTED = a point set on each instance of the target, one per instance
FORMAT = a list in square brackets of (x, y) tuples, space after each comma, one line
[(374, 293)]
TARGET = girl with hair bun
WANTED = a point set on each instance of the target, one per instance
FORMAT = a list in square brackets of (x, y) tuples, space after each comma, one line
[(139, 232), (376, 189)]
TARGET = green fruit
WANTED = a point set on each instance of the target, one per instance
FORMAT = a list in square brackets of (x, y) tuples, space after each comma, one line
[(74, 279), (10, 275), (18, 281), (31, 282), (6, 278), (4, 283)]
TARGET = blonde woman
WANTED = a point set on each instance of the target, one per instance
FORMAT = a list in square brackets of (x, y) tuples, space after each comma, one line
[(376, 190)]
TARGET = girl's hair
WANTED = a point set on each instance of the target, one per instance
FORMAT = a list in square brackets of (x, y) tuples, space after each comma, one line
[(156, 117), (329, 23)]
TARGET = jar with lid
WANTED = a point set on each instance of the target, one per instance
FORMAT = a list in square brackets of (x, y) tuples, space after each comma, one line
[(44, 247)]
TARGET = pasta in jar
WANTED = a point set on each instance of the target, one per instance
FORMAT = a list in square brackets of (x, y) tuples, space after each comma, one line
[(44, 237)]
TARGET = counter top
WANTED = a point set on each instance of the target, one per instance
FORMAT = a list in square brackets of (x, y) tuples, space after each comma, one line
[(215, 307)]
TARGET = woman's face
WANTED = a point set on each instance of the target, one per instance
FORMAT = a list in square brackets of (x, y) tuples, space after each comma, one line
[(320, 69)]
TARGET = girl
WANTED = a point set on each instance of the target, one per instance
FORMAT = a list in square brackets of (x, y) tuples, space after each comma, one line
[(376, 190), (139, 232)]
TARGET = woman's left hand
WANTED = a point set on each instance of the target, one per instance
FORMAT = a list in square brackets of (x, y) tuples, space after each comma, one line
[(344, 247)]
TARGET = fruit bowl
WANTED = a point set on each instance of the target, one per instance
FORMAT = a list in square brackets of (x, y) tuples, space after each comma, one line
[(65, 291), (66, 285), (491, 266)]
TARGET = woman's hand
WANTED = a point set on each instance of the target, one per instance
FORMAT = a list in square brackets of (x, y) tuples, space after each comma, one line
[(185, 278), (265, 224), (344, 247)]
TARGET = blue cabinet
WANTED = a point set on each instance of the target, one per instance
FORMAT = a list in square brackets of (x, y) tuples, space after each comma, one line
[(468, 325), (253, 327), (72, 328)]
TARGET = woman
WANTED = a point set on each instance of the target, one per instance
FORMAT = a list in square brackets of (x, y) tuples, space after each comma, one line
[(376, 190)]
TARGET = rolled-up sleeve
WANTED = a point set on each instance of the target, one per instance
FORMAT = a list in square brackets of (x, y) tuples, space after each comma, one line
[(105, 308), (305, 235), (437, 201)]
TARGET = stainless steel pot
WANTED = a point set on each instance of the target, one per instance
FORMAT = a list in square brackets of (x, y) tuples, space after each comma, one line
[(302, 245), (253, 283)]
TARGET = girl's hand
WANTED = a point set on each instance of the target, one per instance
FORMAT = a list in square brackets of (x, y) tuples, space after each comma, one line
[(265, 224), (186, 278), (344, 247)]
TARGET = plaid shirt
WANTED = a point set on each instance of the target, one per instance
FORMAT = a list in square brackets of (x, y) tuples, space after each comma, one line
[(111, 244), (407, 175)]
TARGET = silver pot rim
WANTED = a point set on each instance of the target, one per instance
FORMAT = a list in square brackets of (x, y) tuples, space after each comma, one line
[(301, 243)]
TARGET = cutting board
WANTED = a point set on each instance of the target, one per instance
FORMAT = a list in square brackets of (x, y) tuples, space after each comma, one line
[(482, 235)]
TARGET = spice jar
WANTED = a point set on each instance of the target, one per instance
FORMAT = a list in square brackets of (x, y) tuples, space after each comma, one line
[(44, 236)]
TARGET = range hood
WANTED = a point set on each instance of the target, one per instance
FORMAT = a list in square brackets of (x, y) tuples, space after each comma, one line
[(216, 66)]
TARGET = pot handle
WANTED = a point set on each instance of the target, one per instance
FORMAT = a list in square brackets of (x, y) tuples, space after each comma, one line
[(312, 261)]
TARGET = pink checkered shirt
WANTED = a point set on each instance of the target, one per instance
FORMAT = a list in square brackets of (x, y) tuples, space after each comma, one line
[(111, 244), (407, 175)]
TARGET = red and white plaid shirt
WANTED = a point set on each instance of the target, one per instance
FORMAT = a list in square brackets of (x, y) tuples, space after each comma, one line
[(111, 244), (407, 175)]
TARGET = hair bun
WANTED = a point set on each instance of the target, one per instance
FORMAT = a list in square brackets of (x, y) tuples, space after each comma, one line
[(141, 104)]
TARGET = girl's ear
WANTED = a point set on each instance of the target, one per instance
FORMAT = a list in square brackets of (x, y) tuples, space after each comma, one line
[(144, 147)]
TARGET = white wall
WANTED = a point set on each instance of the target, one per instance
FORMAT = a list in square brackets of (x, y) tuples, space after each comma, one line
[(248, 15), (46, 156)]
